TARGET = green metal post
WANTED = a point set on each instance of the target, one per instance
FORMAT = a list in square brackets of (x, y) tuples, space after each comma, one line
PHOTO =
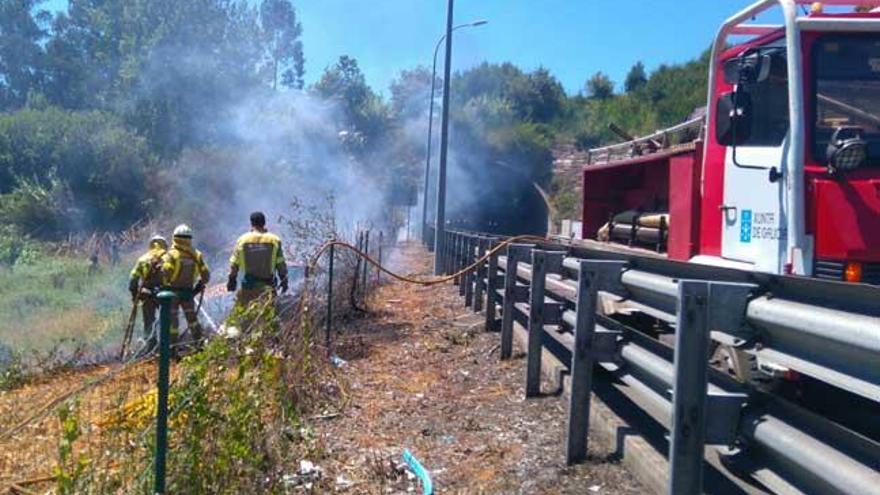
[(329, 300), (165, 298), (365, 280), (378, 271)]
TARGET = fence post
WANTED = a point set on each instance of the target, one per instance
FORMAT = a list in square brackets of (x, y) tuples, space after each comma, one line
[(515, 254), (357, 267), (329, 300), (165, 299), (491, 288), (689, 393), (364, 291), (378, 271)]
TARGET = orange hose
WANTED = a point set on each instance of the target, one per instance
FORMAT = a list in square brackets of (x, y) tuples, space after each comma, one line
[(430, 281)]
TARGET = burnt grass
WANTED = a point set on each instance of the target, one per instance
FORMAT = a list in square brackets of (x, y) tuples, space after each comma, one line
[(423, 375)]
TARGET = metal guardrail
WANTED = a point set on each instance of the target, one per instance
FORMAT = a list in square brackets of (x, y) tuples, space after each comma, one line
[(557, 294)]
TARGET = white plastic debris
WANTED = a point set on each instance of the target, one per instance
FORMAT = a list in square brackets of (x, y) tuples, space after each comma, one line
[(308, 468), (343, 482), (306, 476), (595, 488), (337, 361), (230, 332)]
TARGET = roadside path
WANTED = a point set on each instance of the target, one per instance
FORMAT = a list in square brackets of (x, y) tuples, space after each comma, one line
[(423, 375)]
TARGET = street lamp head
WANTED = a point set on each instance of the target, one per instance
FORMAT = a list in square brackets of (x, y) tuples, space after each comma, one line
[(479, 23)]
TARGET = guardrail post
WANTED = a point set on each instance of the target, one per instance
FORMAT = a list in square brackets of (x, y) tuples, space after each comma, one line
[(593, 275), (442, 255), (453, 255), (165, 298), (447, 253), (452, 238), (462, 260), (515, 254), (491, 288), (582, 366), (462, 263), (690, 388), (480, 275), (543, 262), (471, 276)]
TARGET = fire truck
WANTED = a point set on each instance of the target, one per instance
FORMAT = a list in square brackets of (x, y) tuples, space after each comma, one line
[(781, 171)]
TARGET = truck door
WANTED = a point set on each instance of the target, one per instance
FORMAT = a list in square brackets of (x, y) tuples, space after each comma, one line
[(753, 225)]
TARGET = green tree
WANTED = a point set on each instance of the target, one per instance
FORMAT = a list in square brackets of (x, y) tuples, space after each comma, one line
[(163, 64), (365, 117), (282, 31), (411, 93), (599, 86), (344, 81), (22, 32), (537, 96), (635, 78)]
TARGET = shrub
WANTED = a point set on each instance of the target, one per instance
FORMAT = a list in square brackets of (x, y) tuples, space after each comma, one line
[(63, 171)]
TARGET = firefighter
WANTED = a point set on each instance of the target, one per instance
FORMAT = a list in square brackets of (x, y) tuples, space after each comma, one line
[(259, 256), (144, 284), (184, 272)]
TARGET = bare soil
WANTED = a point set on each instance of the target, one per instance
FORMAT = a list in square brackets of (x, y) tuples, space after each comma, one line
[(425, 376)]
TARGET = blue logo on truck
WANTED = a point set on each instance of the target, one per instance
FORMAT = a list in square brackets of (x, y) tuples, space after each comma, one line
[(745, 226)]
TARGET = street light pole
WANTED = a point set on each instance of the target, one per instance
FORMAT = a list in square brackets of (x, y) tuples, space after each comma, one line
[(431, 126), (440, 219)]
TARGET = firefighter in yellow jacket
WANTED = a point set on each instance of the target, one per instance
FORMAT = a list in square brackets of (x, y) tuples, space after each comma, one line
[(258, 257), (185, 272), (144, 283)]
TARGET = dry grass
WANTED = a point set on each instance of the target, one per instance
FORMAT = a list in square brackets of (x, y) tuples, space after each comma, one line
[(32, 452), (81, 323), (424, 378)]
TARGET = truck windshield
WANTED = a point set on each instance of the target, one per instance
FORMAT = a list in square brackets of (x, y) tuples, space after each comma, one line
[(847, 72)]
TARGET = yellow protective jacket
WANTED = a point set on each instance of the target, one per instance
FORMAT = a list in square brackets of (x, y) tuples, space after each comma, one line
[(182, 265), (148, 268), (258, 255)]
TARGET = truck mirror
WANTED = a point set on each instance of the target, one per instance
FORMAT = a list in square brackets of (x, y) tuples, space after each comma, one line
[(749, 68), (733, 118)]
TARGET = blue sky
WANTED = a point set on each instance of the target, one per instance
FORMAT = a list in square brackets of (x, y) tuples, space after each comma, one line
[(572, 38)]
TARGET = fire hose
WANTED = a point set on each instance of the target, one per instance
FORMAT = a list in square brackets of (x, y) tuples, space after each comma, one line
[(46, 408), (429, 281)]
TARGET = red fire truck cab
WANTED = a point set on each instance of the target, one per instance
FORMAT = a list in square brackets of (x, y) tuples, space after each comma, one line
[(781, 173)]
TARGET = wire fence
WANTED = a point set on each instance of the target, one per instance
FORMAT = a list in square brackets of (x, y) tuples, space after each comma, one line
[(93, 430)]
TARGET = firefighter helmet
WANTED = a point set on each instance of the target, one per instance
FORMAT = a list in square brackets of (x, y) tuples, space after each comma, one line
[(183, 231), (159, 239)]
